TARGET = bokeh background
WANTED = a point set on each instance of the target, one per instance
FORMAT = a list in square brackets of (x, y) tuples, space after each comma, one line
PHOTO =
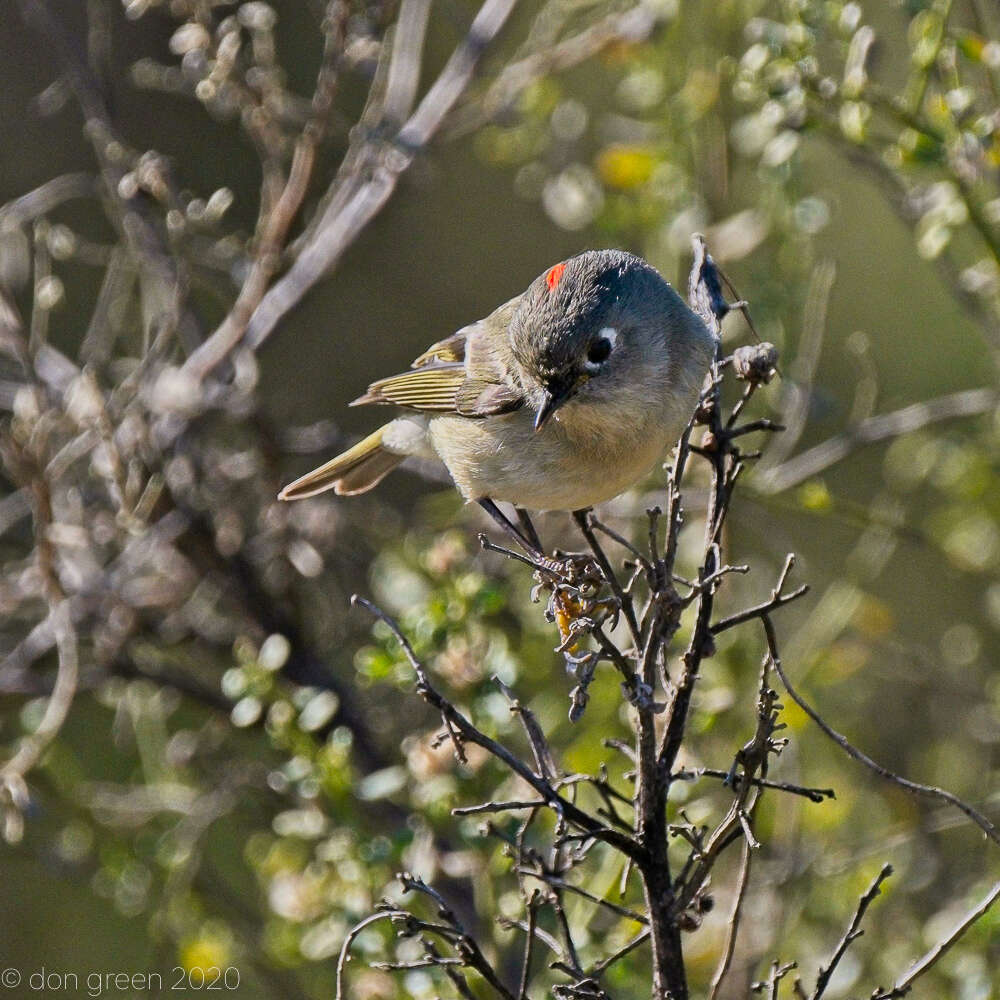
[(843, 161)]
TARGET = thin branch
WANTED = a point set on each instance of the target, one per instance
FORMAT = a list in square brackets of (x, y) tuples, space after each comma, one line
[(544, 763), (734, 778), (584, 519), (364, 192), (33, 746), (130, 214), (541, 934), (773, 982), (606, 963), (904, 985), (46, 197), (968, 403), (529, 945), (776, 600), (493, 807), (276, 219), (404, 65), (345, 948), (463, 729), (742, 881), (553, 880), (852, 933), (468, 947), (928, 791)]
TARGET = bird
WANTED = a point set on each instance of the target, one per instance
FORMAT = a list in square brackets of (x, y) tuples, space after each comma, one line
[(560, 399)]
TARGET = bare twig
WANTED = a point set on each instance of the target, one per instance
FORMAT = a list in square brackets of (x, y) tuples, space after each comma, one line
[(469, 950), (276, 219), (345, 948), (734, 778), (140, 230), (584, 520), (371, 174), (465, 730), (928, 791), (560, 883), (852, 933), (742, 881), (544, 763), (773, 982), (33, 746), (967, 403), (606, 963), (776, 600), (492, 807), (529, 946), (923, 965)]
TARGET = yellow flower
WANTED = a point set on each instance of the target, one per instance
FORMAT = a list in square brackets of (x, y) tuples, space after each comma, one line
[(207, 951), (625, 167)]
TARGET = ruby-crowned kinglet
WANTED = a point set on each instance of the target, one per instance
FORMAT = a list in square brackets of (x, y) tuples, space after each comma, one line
[(560, 399)]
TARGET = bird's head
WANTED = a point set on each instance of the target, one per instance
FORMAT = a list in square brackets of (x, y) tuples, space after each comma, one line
[(600, 327)]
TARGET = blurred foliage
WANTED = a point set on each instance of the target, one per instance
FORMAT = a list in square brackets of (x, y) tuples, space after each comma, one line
[(213, 784)]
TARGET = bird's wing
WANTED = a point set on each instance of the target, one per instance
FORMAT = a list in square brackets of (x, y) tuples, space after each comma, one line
[(463, 373), (434, 386), (450, 349), (453, 348)]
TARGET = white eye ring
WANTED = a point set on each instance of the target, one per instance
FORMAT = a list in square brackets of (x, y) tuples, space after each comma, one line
[(609, 335)]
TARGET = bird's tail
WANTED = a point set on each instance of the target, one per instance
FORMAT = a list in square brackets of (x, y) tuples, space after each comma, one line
[(355, 471)]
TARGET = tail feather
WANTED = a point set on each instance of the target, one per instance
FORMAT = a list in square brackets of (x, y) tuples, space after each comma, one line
[(355, 471)]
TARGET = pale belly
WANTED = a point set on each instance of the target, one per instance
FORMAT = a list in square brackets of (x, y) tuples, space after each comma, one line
[(503, 458)]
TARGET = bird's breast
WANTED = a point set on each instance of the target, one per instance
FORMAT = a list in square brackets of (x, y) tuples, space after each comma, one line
[(585, 455)]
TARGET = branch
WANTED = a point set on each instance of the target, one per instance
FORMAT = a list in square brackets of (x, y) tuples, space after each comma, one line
[(34, 745), (585, 520), (928, 791), (777, 600), (131, 215), (369, 176), (938, 951), (606, 963), (462, 729), (633, 25), (560, 883), (46, 197), (345, 948), (544, 763), (813, 794), (468, 949), (275, 220), (970, 402), (743, 880), (852, 933)]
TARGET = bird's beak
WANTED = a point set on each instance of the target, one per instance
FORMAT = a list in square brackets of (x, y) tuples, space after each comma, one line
[(556, 393)]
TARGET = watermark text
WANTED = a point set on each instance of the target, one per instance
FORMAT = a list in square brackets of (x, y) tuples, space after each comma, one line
[(94, 983)]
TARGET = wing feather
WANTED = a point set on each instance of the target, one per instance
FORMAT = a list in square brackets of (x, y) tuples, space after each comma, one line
[(431, 387), (464, 373), (451, 349)]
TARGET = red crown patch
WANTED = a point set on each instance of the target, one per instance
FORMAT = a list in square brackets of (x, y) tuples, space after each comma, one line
[(553, 275)]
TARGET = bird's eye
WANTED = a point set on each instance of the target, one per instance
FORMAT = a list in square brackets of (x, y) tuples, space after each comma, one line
[(600, 351)]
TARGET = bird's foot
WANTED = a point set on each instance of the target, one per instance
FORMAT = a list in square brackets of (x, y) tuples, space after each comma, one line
[(578, 570)]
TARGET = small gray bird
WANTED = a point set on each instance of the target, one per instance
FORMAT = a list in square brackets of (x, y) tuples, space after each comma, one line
[(558, 400)]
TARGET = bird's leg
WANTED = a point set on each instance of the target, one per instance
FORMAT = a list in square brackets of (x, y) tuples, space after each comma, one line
[(621, 600), (528, 528), (569, 570), (510, 528)]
